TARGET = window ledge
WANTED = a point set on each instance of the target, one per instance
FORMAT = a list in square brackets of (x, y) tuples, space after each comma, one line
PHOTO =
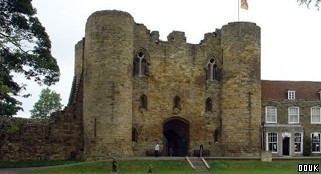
[(142, 110)]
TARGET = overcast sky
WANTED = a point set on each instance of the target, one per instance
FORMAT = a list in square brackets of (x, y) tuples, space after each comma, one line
[(290, 34)]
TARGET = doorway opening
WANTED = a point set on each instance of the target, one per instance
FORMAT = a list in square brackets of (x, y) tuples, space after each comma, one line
[(286, 146), (176, 136)]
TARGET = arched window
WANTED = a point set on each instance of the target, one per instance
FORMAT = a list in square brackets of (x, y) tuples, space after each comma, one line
[(216, 135), (212, 72), (208, 105), (136, 66), (140, 65), (134, 135), (143, 102), (177, 102), (143, 67)]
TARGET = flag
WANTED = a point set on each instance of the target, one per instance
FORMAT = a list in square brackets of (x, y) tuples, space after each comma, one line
[(244, 4)]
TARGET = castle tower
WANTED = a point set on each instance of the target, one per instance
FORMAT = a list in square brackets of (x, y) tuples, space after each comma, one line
[(107, 108), (241, 89)]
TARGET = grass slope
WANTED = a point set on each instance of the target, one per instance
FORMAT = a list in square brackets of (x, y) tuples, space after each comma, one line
[(257, 167), (19, 164), (182, 167), (124, 166)]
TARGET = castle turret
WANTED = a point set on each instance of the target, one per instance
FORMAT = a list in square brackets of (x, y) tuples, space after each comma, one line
[(107, 109), (241, 89)]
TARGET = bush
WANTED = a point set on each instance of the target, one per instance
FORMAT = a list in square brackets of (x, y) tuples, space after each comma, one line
[(306, 146)]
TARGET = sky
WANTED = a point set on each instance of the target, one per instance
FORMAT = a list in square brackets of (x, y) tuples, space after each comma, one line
[(290, 33)]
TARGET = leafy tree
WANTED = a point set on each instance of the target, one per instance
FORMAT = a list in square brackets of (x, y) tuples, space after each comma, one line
[(24, 49), (48, 103), (308, 2)]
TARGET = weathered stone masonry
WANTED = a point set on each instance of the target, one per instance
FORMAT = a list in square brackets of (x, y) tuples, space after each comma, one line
[(132, 90), (112, 93)]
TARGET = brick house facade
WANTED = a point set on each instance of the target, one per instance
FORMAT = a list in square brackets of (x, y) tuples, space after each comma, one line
[(290, 113)]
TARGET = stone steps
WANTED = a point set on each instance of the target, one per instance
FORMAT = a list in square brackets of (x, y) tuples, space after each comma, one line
[(198, 165)]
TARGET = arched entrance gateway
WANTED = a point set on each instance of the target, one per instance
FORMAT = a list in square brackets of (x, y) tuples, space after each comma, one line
[(176, 136)]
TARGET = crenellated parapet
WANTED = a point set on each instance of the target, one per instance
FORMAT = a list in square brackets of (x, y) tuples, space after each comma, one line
[(176, 37), (213, 38)]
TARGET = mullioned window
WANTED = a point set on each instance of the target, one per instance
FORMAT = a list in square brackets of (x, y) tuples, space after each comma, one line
[(140, 67), (212, 72)]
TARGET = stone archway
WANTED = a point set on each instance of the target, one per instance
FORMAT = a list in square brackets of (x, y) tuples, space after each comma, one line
[(176, 136)]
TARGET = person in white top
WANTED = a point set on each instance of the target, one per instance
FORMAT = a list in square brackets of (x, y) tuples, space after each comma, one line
[(156, 149)]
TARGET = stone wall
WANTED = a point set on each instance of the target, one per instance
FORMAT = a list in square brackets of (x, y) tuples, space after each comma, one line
[(241, 89), (61, 137), (107, 85), (34, 139), (176, 68), (23, 139), (105, 116), (112, 94)]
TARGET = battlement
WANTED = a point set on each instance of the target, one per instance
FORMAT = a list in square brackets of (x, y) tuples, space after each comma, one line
[(176, 37), (110, 13)]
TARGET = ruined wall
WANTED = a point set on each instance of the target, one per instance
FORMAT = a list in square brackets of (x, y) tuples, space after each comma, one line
[(61, 137), (23, 139), (34, 139)]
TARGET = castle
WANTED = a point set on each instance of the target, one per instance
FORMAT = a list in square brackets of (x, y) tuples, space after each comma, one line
[(132, 90)]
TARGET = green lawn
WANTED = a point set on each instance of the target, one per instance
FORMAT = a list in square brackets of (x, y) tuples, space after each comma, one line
[(124, 166), (19, 164), (182, 167), (257, 167)]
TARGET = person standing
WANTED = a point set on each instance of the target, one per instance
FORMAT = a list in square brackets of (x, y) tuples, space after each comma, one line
[(171, 151), (114, 166), (201, 150), (156, 149)]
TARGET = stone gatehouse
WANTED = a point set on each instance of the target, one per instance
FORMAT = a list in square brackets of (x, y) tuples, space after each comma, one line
[(132, 90)]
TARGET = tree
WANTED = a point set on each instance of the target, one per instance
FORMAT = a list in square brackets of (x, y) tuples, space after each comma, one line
[(308, 2), (24, 49), (48, 103)]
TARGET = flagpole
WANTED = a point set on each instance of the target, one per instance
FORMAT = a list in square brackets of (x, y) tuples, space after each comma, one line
[(238, 10)]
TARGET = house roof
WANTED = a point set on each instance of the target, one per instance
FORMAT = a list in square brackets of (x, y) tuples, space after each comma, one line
[(277, 90)]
